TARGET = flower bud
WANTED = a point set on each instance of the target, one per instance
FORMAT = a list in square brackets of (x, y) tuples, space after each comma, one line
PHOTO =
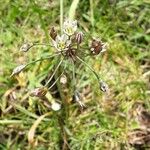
[(38, 92), (56, 106), (25, 47), (103, 86), (18, 69), (63, 79), (79, 37), (53, 33)]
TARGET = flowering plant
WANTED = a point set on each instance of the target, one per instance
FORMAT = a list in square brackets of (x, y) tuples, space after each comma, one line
[(69, 46)]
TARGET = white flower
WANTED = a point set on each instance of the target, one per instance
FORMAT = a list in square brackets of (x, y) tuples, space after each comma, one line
[(70, 27), (56, 106), (61, 42)]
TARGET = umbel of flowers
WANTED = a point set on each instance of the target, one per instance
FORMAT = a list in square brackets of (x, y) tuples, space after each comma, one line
[(69, 45)]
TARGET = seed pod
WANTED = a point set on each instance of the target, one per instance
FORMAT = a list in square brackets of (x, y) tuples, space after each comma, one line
[(53, 33), (103, 86), (18, 69), (38, 92), (25, 47), (97, 46), (79, 37)]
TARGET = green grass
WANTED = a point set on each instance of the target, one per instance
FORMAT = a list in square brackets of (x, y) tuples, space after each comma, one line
[(104, 124)]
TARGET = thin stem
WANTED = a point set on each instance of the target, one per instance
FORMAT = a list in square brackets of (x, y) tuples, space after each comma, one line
[(34, 44), (73, 75), (61, 16), (42, 58), (54, 72), (98, 78), (87, 54), (57, 79), (5, 122), (42, 44)]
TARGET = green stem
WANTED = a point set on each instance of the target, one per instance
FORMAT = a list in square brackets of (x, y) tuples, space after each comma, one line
[(54, 72), (42, 58), (44, 44), (61, 16), (73, 75), (5, 122), (98, 78), (57, 79)]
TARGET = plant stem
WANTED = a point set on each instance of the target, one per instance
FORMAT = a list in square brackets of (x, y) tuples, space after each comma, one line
[(98, 78), (42, 58), (44, 44), (61, 16), (64, 110), (54, 72), (73, 76), (57, 79), (5, 122)]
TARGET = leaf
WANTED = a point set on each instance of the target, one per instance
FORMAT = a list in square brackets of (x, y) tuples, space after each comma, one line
[(32, 130), (73, 8)]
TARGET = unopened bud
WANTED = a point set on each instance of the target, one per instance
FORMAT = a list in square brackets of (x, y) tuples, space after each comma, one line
[(56, 106), (103, 86), (79, 37), (63, 79), (39, 92), (18, 69), (25, 47), (53, 33)]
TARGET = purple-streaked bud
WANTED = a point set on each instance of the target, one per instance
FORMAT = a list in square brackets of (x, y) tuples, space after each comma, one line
[(97, 46), (53, 33), (25, 47), (103, 86), (18, 69), (79, 37), (38, 92)]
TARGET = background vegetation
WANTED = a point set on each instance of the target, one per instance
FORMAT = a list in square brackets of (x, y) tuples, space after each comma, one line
[(106, 121)]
